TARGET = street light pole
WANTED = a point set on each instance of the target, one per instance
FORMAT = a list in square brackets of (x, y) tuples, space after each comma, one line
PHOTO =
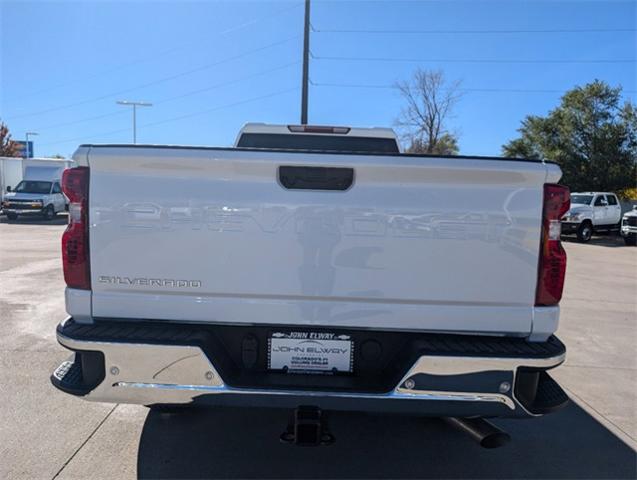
[(26, 145), (134, 105), (306, 61)]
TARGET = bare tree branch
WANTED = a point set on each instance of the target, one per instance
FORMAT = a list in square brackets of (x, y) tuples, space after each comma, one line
[(429, 105)]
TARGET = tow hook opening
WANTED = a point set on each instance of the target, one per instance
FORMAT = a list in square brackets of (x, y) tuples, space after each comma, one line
[(307, 427), (486, 434)]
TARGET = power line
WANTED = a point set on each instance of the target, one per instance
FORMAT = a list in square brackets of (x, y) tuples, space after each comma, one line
[(350, 85), (163, 53), (98, 135), (173, 119), (156, 82), (466, 60), (176, 97), (214, 109), (472, 32), (225, 84), (486, 90), (82, 120)]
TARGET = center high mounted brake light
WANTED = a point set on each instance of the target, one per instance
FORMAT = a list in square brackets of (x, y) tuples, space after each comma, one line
[(318, 129)]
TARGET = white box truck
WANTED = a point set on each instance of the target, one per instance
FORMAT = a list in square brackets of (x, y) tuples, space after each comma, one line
[(31, 187)]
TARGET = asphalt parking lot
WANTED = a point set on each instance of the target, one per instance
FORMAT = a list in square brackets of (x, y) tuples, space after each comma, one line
[(47, 434)]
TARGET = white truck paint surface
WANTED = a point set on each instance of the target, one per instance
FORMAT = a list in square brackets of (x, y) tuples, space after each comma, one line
[(419, 244)]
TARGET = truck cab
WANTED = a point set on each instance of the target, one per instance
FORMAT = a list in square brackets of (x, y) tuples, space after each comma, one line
[(591, 212), (318, 137)]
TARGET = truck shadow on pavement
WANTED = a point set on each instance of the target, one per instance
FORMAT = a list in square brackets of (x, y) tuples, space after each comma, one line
[(235, 443)]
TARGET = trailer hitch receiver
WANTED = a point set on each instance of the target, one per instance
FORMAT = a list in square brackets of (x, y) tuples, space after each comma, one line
[(307, 427)]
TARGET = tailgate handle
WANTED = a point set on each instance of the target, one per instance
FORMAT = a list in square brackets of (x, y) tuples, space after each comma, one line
[(316, 178)]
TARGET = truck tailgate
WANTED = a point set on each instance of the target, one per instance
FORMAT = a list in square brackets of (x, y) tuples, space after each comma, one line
[(211, 235)]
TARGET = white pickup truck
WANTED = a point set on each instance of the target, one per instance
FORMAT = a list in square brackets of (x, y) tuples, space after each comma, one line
[(314, 267), (592, 212), (629, 227)]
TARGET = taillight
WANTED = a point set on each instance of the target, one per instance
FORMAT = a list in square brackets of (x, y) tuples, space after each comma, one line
[(75, 259), (552, 265)]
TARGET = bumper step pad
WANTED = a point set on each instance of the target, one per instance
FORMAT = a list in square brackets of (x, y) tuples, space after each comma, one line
[(549, 397), (80, 373), (68, 377)]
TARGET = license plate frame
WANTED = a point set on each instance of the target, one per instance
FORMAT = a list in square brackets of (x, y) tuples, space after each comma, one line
[(310, 352)]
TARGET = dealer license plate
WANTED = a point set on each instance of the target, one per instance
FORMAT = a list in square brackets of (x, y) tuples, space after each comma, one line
[(310, 352)]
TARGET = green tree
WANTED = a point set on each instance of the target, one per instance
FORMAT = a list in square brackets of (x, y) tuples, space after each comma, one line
[(447, 144), (8, 147), (592, 135)]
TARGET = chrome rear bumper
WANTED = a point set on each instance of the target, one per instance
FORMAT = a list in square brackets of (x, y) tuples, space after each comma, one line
[(162, 373)]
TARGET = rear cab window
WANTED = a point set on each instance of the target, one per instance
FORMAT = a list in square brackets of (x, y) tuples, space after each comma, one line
[(323, 143), (612, 199), (583, 199)]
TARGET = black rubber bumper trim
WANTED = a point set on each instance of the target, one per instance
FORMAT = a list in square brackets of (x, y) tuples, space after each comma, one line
[(153, 332)]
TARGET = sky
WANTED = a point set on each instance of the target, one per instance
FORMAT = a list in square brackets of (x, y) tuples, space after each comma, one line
[(208, 67)]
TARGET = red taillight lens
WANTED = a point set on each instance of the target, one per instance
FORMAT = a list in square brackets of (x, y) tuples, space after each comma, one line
[(552, 266), (75, 258)]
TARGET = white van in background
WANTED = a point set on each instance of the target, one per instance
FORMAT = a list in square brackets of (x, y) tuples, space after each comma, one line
[(15, 169), (38, 190)]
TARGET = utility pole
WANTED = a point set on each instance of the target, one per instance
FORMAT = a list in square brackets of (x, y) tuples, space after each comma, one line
[(134, 105), (306, 63), (26, 146)]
